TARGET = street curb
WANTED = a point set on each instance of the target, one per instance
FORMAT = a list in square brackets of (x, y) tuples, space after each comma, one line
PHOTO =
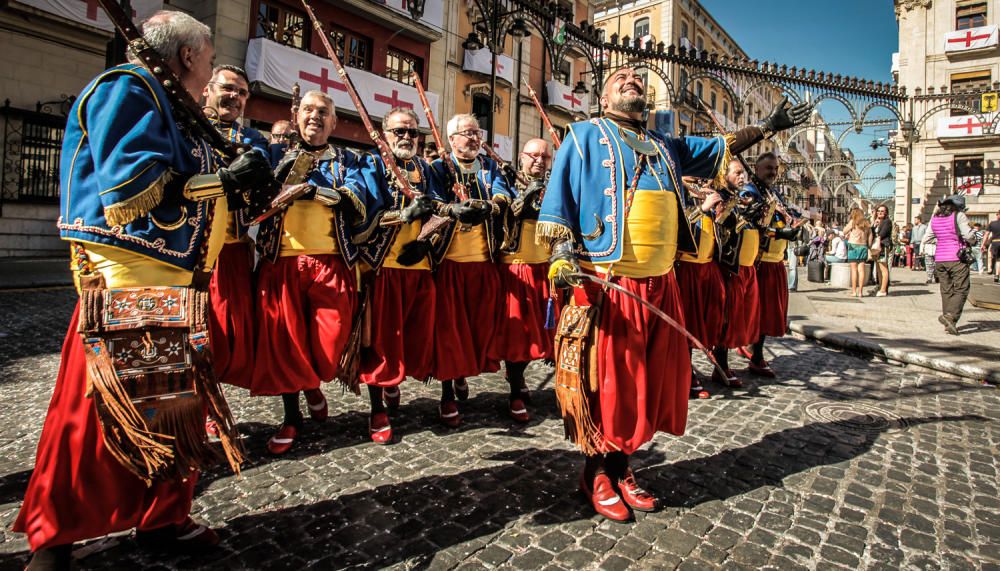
[(813, 331)]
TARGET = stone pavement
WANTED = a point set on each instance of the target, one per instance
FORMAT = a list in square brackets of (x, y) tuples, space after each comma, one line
[(902, 326), (841, 463)]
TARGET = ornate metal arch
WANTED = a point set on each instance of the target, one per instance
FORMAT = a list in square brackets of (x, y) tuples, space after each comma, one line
[(868, 189), (836, 189), (871, 106), (995, 124), (803, 129), (822, 173), (792, 94), (658, 70), (737, 103), (558, 52), (872, 163), (918, 126), (843, 101)]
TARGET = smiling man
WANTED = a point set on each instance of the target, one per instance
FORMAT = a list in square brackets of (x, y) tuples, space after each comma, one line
[(614, 207)]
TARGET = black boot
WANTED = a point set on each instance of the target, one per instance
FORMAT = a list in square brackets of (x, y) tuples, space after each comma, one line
[(55, 558)]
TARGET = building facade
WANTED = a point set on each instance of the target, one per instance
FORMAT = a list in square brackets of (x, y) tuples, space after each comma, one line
[(949, 60)]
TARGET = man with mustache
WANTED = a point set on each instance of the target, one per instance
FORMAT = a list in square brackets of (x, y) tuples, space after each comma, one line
[(138, 197), (522, 336), (233, 318), (468, 286), (306, 289), (614, 208), (403, 296)]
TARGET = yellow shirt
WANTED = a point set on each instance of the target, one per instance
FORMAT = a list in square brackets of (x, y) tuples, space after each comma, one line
[(706, 243), (749, 247), (528, 252), (407, 233), (122, 268), (775, 248), (469, 245), (650, 244), (309, 227)]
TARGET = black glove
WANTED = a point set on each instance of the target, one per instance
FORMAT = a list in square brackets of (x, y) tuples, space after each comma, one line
[(787, 233), (247, 172), (563, 264), (419, 208), (285, 166), (509, 173), (783, 117), (524, 205), (467, 212), (413, 252)]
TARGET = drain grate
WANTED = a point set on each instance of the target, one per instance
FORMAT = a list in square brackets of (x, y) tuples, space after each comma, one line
[(857, 416)]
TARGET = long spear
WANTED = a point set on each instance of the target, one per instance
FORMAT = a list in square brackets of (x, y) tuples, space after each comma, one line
[(545, 117), (459, 188), (383, 147)]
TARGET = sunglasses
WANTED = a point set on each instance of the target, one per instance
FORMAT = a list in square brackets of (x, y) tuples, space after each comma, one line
[(402, 132)]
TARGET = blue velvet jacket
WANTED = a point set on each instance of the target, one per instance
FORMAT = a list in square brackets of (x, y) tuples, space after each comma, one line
[(585, 196), (123, 167), (485, 182), (371, 179)]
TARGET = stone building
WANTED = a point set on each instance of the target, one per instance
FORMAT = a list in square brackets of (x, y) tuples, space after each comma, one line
[(949, 61)]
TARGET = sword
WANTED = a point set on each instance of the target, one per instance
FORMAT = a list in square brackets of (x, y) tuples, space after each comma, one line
[(655, 311)]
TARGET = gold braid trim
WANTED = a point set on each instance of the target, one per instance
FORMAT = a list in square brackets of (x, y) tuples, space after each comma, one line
[(126, 211), (719, 181), (548, 232), (359, 206)]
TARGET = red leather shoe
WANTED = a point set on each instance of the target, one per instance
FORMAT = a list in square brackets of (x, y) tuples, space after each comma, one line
[(448, 411), (462, 389), (745, 353), (698, 391), (730, 379), (392, 398), (318, 409), (193, 535), (605, 499), (379, 428), (761, 369), (636, 497), (282, 440), (518, 411)]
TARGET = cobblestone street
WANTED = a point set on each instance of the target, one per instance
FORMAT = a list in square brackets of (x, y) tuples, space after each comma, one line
[(841, 463)]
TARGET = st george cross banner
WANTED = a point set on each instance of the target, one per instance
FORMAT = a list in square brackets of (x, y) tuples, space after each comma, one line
[(89, 12), (972, 185), (480, 60), (560, 95), (279, 67), (970, 39), (963, 125)]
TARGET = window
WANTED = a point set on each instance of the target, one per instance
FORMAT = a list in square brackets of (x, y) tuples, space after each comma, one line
[(725, 108), (970, 15), (684, 79), (481, 108), (566, 71), (641, 28), (288, 27), (684, 30), (968, 174), (698, 90), (970, 82), (398, 66), (700, 43), (713, 100), (31, 154), (359, 54)]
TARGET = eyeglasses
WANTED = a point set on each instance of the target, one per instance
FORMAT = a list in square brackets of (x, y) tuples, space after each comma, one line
[(232, 89), (280, 136), (470, 133), (537, 156), (402, 132)]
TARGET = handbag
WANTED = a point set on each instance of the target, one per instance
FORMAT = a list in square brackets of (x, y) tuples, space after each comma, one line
[(965, 254), (802, 250)]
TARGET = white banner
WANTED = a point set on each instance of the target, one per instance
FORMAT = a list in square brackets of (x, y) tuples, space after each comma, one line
[(480, 60), (970, 39), (89, 12), (972, 185), (561, 96), (433, 11), (963, 125), (279, 67), (504, 146)]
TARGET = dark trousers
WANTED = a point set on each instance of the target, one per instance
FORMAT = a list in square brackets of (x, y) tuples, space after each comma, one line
[(954, 278)]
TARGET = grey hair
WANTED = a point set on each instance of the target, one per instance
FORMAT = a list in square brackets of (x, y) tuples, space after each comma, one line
[(323, 96), (454, 121), (167, 31), (400, 111)]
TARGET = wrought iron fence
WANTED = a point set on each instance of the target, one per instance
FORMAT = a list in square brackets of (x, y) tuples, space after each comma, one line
[(32, 144)]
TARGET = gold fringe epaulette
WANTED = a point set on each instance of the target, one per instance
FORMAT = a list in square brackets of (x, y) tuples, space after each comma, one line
[(720, 175), (548, 232), (126, 211), (359, 206)]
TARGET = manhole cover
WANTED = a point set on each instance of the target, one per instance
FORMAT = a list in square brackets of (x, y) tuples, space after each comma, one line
[(858, 416)]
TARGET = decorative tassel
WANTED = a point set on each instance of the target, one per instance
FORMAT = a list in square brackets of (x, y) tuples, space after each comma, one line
[(550, 314), (126, 211)]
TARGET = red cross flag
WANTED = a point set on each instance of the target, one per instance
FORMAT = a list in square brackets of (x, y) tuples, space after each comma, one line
[(480, 61), (970, 39), (972, 185), (89, 12), (963, 125), (561, 95), (279, 67)]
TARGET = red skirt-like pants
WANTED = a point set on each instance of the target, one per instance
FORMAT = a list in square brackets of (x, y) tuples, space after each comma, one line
[(306, 304), (78, 489), (468, 308), (703, 296), (772, 281), (521, 334), (742, 309), (232, 319), (643, 364), (403, 312)]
